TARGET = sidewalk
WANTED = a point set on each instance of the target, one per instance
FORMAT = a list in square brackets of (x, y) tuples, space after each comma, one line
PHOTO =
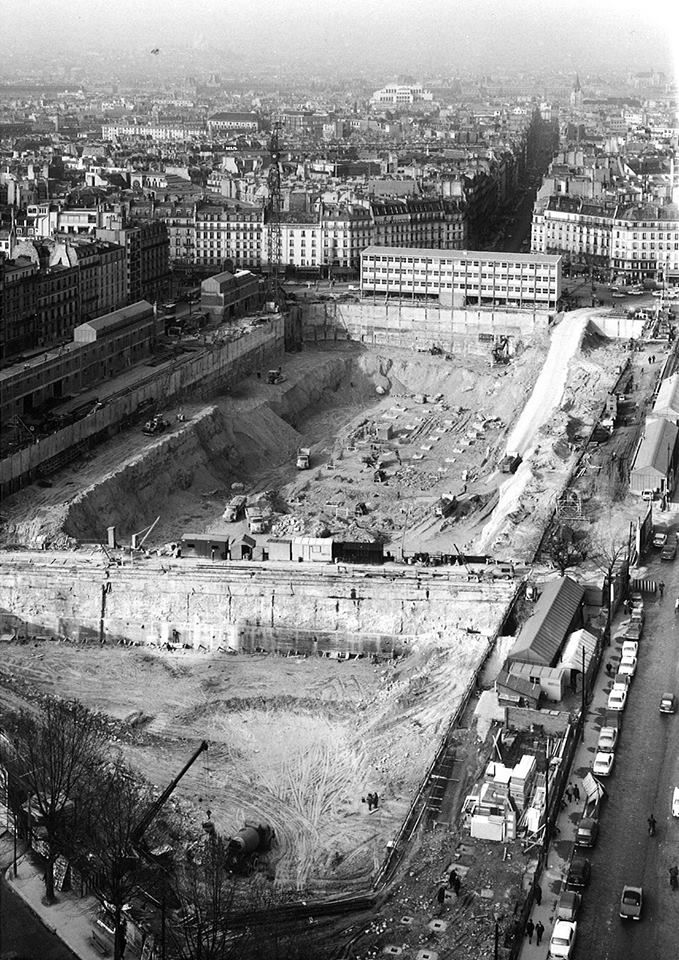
[(562, 844), (72, 919)]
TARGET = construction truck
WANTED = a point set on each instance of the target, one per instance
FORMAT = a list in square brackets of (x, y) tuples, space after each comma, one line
[(275, 376), (243, 849), (154, 426), (445, 506), (303, 458), (234, 509)]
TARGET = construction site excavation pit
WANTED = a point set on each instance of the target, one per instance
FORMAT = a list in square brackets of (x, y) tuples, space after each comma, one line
[(297, 742)]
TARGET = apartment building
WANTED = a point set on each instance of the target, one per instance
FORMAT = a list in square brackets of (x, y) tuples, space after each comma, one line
[(574, 225), (463, 277), (102, 272), (159, 132), (407, 222), (18, 305), (180, 220), (146, 257), (330, 237), (632, 242), (645, 243), (229, 233), (230, 123)]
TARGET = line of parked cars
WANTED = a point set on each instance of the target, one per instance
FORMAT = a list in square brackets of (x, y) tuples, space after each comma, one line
[(562, 941)]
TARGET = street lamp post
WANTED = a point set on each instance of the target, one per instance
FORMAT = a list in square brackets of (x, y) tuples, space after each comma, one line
[(584, 678)]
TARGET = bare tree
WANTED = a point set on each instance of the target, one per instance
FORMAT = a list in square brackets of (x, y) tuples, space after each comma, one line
[(59, 746), (611, 555), (563, 548), (201, 928), (106, 839)]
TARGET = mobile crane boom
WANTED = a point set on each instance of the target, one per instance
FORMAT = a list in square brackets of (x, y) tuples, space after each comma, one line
[(155, 807)]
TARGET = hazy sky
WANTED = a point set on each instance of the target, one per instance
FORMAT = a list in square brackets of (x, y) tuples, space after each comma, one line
[(409, 35)]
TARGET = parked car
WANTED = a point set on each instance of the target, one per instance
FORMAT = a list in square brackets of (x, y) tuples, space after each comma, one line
[(603, 763), (669, 551), (659, 539), (569, 905), (579, 872), (668, 703), (628, 666), (633, 630), (636, 599), (562, 941), (630, 648), (608, 738), (631, 902), (617, 698)]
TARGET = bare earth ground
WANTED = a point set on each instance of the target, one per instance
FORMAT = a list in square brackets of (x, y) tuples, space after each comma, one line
[(297, 743), (294, 743)]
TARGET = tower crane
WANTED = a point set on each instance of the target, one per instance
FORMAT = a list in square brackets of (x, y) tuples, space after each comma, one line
[(273, 211)]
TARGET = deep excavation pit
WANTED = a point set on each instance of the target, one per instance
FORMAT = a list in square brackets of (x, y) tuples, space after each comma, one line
[(297, 742), (329, 401)]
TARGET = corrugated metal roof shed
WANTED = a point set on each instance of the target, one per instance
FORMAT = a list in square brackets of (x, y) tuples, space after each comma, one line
[(542, 636), (667, 401), (654, 456)]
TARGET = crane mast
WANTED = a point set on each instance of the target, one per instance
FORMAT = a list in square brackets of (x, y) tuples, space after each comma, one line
[(274, 239)]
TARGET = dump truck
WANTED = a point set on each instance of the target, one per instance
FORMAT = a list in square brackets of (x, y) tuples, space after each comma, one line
[(510, 463), (234, 509), (588, 826), (303, 458), (243, 849)]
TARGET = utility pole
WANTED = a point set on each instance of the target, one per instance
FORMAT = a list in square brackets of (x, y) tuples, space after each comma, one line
[(584, 679)]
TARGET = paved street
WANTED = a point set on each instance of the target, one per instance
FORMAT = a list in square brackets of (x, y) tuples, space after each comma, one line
[(645, 773)]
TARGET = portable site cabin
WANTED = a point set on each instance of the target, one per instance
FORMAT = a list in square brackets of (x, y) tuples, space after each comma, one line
[(203, 545), (653, 470), (355, 551), (279, 549), (312, 549)]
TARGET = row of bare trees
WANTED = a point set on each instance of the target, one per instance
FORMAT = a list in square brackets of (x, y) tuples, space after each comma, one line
[(86, 805)]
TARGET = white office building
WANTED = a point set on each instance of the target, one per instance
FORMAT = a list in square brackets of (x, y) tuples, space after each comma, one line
[(463, 277)]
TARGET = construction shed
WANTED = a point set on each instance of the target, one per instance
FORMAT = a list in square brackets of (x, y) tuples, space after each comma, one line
[(242, 547), (515, 690), (557, 612), (653, 469), (546, 683), (209, 545), (667, 402)]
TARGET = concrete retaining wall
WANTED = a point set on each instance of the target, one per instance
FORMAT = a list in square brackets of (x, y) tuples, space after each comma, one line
[(200, 373), (245, 606), (414, 326)]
